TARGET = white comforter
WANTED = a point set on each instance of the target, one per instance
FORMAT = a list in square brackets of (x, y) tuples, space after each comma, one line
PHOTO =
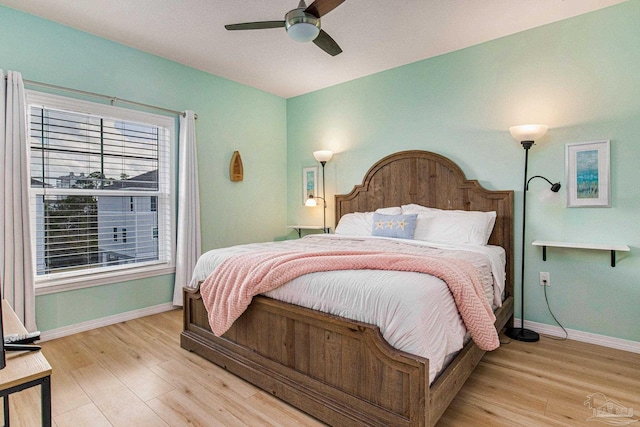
[(415, 312)]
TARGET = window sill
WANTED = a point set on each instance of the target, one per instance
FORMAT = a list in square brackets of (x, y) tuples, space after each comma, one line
[(99, 279)]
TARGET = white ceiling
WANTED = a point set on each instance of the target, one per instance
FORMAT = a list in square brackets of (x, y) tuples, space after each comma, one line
[(375, 35)]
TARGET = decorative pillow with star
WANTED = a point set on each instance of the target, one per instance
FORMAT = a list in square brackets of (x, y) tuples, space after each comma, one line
[(399, 226)]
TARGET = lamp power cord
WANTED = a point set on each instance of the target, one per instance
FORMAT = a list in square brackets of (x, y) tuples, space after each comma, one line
[(566, 334)]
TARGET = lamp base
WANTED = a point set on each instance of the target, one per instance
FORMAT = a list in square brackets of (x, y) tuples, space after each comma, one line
[(522, 334)]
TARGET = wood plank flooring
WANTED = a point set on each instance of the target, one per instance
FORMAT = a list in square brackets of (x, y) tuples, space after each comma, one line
[(135, 374)]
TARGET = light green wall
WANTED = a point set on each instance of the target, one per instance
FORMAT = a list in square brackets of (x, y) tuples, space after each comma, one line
[(230, 117), (580, 76)]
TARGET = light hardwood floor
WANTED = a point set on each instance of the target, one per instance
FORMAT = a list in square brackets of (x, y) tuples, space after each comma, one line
[(135, 374)]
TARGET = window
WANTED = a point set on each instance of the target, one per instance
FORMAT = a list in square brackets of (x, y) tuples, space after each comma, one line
[(97, 169)]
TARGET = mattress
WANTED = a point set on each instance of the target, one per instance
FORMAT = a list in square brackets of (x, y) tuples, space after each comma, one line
[(415, 312)]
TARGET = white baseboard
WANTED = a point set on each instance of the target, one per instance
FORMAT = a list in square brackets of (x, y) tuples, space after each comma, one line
[(104, 321), (603, 340), (541, 328)]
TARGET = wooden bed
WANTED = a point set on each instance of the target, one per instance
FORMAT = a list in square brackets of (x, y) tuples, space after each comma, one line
[(339, 370)]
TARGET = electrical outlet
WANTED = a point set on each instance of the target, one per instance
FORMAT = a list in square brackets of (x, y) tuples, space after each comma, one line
[(545, 278)]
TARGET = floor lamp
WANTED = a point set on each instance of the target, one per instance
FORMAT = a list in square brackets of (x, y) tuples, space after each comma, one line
[(322, 156), (526, 135)]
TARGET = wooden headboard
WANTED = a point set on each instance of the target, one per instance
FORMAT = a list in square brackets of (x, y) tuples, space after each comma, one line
[(432, 180)]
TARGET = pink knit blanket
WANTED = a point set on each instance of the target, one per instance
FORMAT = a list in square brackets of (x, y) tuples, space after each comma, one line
[(228, 291)]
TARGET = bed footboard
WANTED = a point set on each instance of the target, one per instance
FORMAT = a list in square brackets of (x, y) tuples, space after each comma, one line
[(339, 371)]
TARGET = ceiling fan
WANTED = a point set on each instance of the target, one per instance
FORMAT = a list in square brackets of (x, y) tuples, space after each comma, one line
[(302, 24)]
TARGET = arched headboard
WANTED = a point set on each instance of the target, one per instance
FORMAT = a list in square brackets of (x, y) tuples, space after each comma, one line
[(432, 180)]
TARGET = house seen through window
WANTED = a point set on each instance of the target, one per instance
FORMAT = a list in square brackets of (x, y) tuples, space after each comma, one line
[(100, 187)]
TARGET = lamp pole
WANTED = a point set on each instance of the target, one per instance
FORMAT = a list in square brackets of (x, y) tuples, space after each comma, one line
[(324, 201), (522, 334), (323, 156)]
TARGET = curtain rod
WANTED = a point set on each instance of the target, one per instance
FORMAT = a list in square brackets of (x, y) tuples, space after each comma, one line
[(112, 99)]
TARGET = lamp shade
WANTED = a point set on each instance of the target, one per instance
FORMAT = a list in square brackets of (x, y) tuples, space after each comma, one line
[(323, 155), (303, 32), (311, 202), (528, 132)]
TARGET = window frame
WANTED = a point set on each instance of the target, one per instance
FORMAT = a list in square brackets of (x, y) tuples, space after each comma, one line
[(65, 281)]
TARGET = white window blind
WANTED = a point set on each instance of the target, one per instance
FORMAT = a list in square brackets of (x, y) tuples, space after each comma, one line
[(100, 188)]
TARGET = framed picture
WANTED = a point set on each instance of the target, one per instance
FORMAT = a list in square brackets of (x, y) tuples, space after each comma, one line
[(310, 184), (588, 176)]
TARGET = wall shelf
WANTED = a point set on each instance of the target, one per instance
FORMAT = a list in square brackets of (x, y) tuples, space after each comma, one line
[(592, 246)]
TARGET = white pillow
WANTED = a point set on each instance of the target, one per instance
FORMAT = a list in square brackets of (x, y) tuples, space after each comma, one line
[(361, 223), (452, 226), (396, 210)]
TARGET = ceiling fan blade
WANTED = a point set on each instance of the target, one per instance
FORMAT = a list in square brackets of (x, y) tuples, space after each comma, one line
[(326, 43), (255, 25), (320, 8)]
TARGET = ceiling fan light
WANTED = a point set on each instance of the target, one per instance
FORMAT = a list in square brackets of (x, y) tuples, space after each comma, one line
[(303, 32)]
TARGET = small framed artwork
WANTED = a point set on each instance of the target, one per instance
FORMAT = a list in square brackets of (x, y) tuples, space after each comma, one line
[(310, 184), (588, 176)]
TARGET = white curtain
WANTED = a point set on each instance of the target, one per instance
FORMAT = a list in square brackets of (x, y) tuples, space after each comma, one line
[(16, 269), (188, 244)]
